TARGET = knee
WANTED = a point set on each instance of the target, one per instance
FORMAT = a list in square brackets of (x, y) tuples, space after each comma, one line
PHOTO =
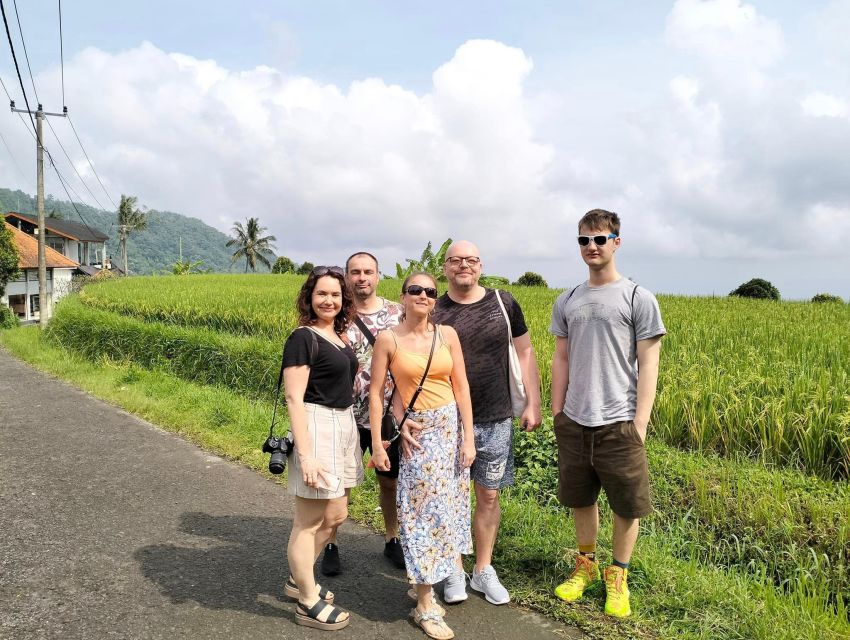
[(487, 498), (335, 518)]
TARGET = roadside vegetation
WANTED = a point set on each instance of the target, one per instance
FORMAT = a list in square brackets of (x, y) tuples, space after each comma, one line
[(749, 453)]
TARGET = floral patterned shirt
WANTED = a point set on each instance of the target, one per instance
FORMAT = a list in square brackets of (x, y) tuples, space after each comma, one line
[(389, 315)]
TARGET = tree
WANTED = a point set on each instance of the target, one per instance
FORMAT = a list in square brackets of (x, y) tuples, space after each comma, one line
[(251, 244), (305, 269), (129, 219), (9, 257), (429, 262), (531, 279), (827, 297), (757, 288), (283, 265)]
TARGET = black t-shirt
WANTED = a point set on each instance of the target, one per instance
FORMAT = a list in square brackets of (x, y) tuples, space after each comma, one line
[(331, 381), (483, 335)]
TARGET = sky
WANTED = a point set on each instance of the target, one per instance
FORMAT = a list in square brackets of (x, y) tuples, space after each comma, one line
[(718, 130)]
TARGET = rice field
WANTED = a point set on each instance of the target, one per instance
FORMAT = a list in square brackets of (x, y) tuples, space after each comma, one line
[(765, 380)]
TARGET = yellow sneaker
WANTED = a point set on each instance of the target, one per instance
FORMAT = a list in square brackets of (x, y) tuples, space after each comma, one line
[(617, 592), (585, 573)]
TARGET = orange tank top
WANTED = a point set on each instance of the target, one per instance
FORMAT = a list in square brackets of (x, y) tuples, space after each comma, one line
[(407, 368)]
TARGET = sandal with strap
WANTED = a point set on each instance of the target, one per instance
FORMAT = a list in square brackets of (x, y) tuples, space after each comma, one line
[(321, 616), (432, 624), (290, 590), (411, 593)]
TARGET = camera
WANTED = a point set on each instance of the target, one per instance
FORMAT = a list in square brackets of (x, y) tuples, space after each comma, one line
[(280, 449)]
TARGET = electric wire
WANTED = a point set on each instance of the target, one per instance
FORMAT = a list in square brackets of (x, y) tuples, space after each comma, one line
[(15, 60), (99, 181), (14, 160), (26, 55), (65, 187), (71, 162)]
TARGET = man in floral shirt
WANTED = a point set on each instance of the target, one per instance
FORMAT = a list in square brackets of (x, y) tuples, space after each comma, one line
[(375, 314)]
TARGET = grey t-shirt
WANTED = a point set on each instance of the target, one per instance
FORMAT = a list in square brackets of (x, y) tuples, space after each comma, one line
[(603, 328)]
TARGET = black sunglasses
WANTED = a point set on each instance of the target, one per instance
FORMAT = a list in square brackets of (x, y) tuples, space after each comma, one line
[(323, 271), (598, 240), (415, 290)]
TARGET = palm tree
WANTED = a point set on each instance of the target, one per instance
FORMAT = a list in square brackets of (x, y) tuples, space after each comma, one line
[(250, 245), (129, 219)]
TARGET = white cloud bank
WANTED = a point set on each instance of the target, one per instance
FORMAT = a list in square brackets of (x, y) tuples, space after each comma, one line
[(730, 159)]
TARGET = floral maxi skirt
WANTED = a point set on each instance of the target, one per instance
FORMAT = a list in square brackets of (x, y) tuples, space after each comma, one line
[(433, 499)]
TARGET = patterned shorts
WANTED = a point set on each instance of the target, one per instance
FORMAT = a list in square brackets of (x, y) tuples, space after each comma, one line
[(494, 454)]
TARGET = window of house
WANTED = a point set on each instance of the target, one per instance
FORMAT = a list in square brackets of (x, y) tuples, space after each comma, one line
[(56, 244), (34, 304)]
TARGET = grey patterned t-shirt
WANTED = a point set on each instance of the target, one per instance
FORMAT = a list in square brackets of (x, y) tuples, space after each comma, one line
[(389, 315), (603, 329)]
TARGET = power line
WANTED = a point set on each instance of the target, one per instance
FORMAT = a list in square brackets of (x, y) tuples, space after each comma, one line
[(12, 156), (65, 188), (26, 55), (100, 182), (71, 162), (62, 52), (15, 60)]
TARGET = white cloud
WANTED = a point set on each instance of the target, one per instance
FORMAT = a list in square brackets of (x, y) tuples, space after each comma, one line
[(824, 105)]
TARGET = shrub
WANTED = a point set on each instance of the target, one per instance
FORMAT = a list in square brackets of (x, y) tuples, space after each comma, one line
[(283, 265), (8, 318), (531, 279), (757, 288), (305, 268), (827, 297), (494, 282)]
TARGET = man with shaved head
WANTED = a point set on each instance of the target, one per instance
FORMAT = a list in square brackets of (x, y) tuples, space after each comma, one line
[(474, 312)]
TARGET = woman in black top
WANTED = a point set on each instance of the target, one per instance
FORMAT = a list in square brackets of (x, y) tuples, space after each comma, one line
[(319, 369)]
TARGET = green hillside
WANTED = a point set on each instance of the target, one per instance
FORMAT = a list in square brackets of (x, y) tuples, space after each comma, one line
[(150, 251)]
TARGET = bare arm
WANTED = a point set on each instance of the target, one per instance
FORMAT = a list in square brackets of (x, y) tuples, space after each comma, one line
[(296, 379), (530, 418), (560, 373), (381, 354), (460, 387), (648, 353)]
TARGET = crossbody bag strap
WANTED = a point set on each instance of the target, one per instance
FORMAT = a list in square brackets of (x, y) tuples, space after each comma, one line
[(314, 349), (416, 393), (505, 313), (370, 338)]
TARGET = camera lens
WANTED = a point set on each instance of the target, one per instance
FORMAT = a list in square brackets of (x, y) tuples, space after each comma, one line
[(277, 463)]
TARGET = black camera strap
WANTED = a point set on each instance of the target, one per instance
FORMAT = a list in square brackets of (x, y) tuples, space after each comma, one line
[(314, 349)]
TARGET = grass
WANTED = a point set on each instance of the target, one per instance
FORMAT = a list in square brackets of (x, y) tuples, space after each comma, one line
[(679, 591)]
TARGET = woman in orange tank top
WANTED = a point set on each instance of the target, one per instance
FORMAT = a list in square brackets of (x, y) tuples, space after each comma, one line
[(433, 482)]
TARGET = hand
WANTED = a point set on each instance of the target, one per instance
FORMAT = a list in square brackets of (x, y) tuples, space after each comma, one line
[(467, 453), (380, 460), (310, 468), (409, 431), (530, 419), (640, 426)]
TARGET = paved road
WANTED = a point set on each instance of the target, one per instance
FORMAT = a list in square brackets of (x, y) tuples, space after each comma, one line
[(113, 528)]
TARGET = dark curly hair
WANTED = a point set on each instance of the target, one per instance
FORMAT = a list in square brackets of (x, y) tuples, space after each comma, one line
[(306, 315)]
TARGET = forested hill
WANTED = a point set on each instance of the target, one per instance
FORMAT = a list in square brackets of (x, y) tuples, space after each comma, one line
[(153, 250)]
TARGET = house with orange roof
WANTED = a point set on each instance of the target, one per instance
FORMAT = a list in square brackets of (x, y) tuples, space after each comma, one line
[(22, 293)]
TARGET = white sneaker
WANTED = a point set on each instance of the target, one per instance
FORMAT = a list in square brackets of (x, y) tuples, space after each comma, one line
[(454, 588), (487, 582)]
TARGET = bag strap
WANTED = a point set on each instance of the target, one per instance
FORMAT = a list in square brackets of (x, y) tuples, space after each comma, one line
[(416, 393), (370, 337), (505, 313), (314, 349)]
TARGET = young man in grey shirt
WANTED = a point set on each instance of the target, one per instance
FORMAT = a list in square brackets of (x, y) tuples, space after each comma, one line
[(604, 373)]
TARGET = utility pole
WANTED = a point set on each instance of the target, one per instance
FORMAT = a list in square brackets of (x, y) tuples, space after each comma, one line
[(45, 306)]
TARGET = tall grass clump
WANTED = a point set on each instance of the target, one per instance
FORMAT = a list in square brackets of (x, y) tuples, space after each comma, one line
[(248, 365)]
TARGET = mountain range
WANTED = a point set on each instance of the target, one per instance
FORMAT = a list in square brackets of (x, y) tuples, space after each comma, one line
[(152, 250)]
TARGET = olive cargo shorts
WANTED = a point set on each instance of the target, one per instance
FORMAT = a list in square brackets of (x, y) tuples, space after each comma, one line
[(611, 456)]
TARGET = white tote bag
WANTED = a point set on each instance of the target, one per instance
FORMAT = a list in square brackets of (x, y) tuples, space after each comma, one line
[(519, 399)]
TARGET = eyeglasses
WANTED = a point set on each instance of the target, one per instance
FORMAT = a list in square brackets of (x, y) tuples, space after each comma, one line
[(598, 240), (456, 261), (323, 271), (415, 290)]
